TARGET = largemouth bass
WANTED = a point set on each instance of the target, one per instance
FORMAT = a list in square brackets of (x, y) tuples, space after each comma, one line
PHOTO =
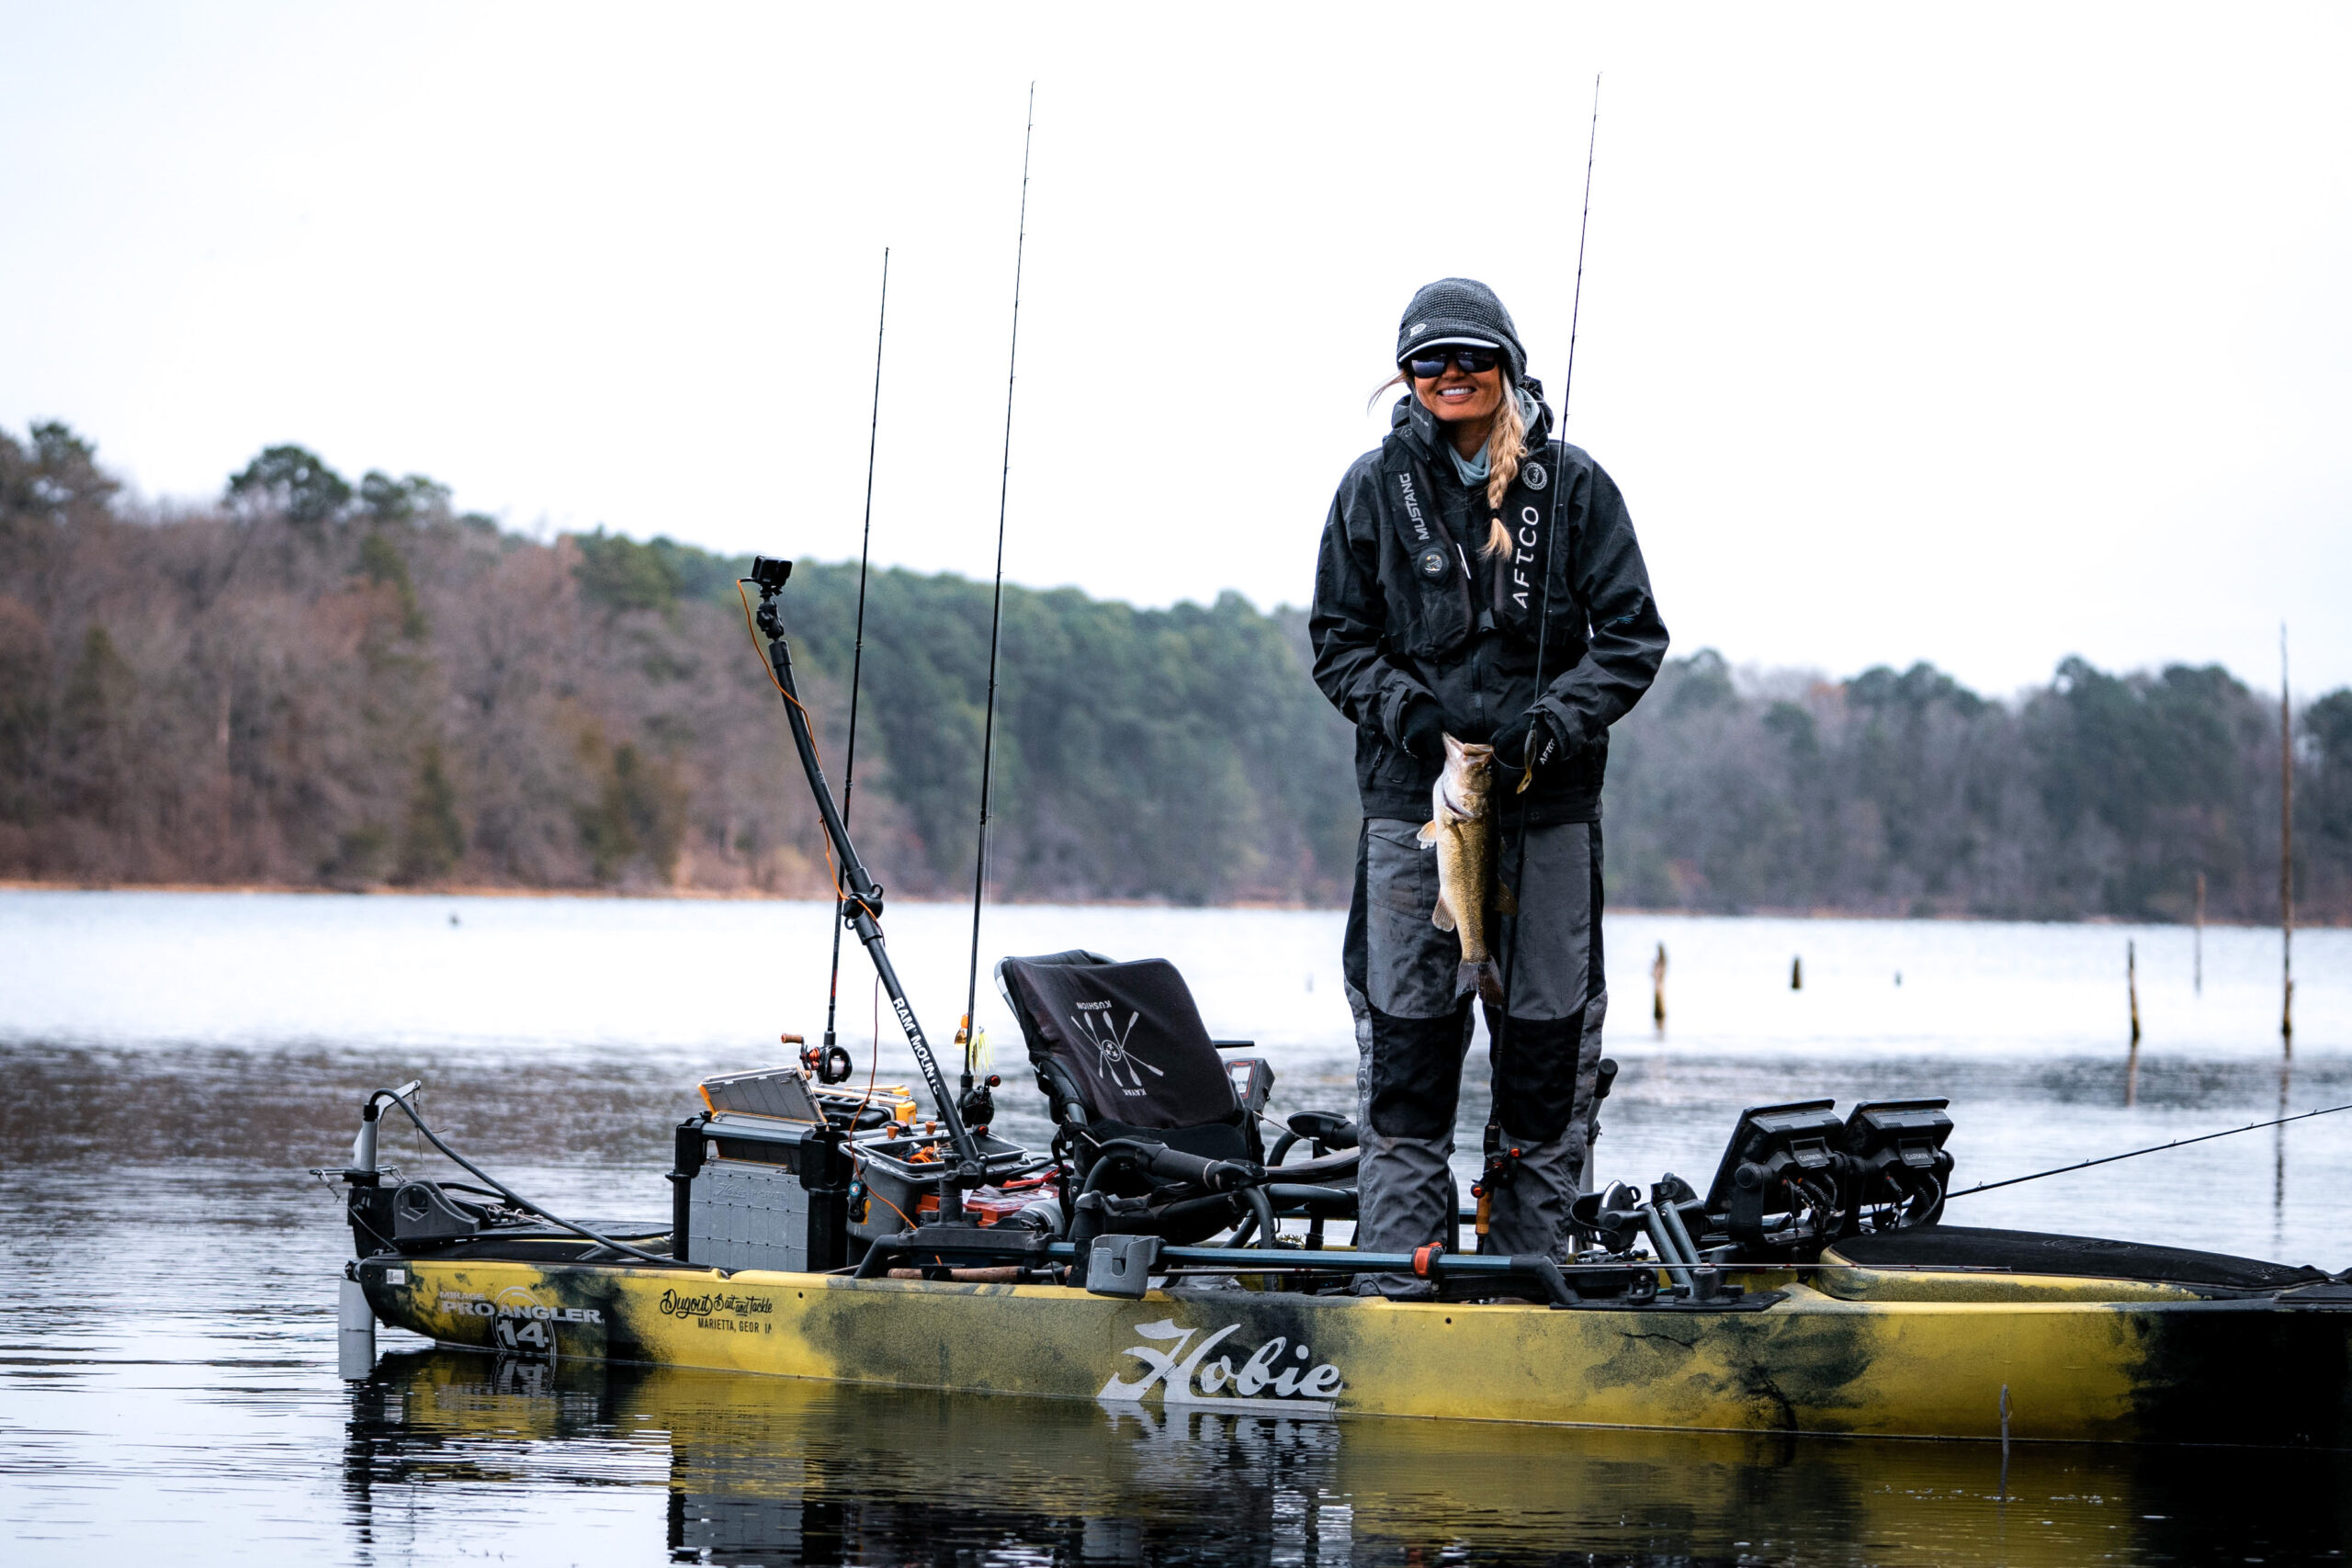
[(1461, 831)]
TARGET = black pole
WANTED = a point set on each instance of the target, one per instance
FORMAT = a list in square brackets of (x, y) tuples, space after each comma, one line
[(857, 650), (1497, 1166), (981, 1102), (863, 897)]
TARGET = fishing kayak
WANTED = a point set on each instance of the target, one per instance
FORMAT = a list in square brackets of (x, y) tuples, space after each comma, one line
[(1951, 1333)]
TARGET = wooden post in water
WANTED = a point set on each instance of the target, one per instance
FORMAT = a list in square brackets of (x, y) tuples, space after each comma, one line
[(1796, 973), (2285, 855), (2131, 991), (2132, 986), (2200, 933), (2278, 1155), (1657, 989)]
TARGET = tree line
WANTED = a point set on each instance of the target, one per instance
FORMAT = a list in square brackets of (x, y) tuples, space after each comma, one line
[(2098, 794), (317, 681), (313, 682)]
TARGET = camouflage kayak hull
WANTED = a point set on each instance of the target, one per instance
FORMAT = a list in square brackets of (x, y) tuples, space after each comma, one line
[(1842, 1350)]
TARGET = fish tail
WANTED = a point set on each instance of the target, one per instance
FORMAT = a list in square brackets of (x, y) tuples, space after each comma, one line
[(1484, 977)]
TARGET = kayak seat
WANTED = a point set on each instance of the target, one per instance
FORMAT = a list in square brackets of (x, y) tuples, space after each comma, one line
[(1120, 1051), (1126, 1066)]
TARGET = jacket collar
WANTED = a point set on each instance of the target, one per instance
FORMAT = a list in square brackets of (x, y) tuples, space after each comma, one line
[(1415, 424)]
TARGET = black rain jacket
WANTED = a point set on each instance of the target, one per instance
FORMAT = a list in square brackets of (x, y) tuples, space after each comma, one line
[(1405, 606)]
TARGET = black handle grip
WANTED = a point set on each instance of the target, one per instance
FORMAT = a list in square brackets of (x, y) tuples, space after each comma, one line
[(1174, 1164)]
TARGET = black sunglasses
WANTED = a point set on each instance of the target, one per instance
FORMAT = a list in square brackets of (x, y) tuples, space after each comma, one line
[(1431, 363)]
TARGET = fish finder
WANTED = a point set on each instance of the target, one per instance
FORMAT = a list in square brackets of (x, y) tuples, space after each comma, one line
[(1782, 1177), (1901, 1168)]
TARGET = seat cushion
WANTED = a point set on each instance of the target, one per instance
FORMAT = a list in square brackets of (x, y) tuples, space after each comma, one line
[(1128, 1036)]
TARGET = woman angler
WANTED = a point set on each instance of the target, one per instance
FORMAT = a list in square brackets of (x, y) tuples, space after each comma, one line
[(1480, 580)]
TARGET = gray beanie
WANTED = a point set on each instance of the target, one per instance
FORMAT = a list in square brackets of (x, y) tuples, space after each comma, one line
[(1460, 310)]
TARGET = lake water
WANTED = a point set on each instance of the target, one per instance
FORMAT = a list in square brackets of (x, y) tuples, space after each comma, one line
[(170, 1063)]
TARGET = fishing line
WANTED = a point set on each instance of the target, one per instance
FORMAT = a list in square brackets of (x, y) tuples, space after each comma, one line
[(2152, 1149), (996, 610), (1558, 482), (857, 650), (874, 1067), (873, 1062)]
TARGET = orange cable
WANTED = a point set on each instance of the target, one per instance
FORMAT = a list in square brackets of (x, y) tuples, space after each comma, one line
[(892, 1207), (873, 1062)]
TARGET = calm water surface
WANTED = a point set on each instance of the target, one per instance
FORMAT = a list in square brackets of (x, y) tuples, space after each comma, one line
[(169, 1064)]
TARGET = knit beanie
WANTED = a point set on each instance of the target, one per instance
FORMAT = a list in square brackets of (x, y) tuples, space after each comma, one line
[(1460, 310)]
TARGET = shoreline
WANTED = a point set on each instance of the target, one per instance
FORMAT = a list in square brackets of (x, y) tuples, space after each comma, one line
[(649, 895), (718, 895)]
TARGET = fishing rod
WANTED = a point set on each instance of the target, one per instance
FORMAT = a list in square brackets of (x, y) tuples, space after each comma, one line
[(2151, 1149), (978, 1104), (856, 663), (1498, 1166)]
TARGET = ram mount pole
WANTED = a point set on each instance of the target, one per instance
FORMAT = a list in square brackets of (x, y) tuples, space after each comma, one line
[(861, 897)]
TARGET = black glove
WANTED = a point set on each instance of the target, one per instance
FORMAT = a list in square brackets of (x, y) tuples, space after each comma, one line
[(1424, 729), (1527, 740)]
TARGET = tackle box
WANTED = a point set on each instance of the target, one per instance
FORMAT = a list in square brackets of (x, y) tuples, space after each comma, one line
[(758, 1191)]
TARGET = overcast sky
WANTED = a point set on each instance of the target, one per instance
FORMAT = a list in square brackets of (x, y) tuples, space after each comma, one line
[(1983, 335)]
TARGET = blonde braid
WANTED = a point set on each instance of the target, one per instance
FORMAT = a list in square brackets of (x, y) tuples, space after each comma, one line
[(1506, 445)]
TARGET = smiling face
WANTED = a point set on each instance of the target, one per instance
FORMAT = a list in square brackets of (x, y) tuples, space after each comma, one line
[(1466, 399)]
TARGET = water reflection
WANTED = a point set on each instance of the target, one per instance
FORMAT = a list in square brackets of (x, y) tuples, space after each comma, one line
[(762, 1470), (2278, 1153)]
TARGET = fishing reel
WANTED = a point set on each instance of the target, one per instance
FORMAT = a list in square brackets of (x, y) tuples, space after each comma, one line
[(977, 1104), (828, 1063), (1613, 1219), (1502, 1165), (1503, 1156)]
